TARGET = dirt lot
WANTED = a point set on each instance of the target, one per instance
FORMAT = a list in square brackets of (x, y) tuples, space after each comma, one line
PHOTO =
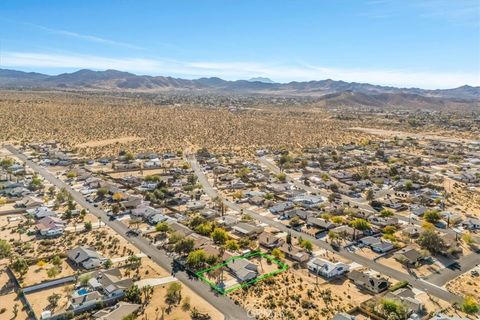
[(39, 301), (38, 273), (466, 285), (8, 299), (299, 294), (157, 305), (101, 143)]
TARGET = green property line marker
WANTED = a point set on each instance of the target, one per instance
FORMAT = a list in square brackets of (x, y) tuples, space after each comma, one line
[(222, 291)]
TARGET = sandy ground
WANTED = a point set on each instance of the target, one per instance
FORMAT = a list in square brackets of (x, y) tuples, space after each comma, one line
[(404, 134), (466, 285), (37, 273), (106, 142), (8, 298), (39, 301), (8, 301), (285, 293), (157, 304)]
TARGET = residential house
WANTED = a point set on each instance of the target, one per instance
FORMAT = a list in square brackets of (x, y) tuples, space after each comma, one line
[(278, 187), (376, 244), (269, 240), (144, 211), (179, 228), (327, 269), (120, 311), (243, 269), (418, 210), (300, 213), (227, 222), (41, 212), (110, 283), (29, 202), (471, 224), (320, 223), (412, 231), (382, 221), (247, 229), (281, 207), (409, 256), (195, 205), (407, 297), (51, 226), (368, 281), (294, 253), (87, 299), (103, 285), (214, 251), (347, 232), (86, 257), (307, 201)]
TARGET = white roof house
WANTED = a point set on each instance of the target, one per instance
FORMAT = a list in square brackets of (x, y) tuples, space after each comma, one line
[(41, 212), (327, 268)]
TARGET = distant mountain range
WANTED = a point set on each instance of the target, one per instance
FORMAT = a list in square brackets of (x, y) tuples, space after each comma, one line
[(334, 92), (261, 79)]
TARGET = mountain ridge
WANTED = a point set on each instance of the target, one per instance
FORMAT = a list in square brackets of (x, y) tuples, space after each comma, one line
[(125, 81)]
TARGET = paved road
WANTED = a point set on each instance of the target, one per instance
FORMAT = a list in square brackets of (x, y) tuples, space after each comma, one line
[(221, 303), (415, 282), (465, 264)]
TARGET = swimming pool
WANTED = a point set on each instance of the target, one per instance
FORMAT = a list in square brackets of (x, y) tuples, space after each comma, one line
[(82, 291)]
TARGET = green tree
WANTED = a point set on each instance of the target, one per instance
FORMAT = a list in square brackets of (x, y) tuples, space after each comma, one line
[(219, 236), (332, 236), (386, 213), (84, 279), (232, 245), (432, 216), (6, 162), (468, 238), (71, 175), (133, 294), (197, 258), (307, 245), (88, 226), (183, 246), (102, 192), (5, 249), (162, 227), (392, 309), (20, 266), (295, 221), (431, 241), (174, 293), (108, 264), (282, 177), (204, 229), (278, 254), (129, 156), (470, 305), (175, 237), (56, 261), (53, 299), (53, 272)]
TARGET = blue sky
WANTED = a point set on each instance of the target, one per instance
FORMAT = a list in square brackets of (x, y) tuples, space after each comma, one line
[(420, 43)]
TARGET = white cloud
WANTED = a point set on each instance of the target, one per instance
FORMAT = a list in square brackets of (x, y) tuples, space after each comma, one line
[(86, 37), (240, 70)]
